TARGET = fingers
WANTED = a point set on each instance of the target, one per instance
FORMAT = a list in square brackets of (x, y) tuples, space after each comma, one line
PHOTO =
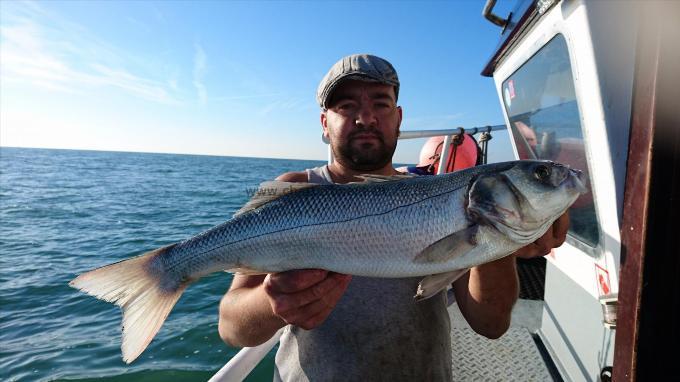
[(531, 250), (315, 320), (310, 316), (555, 235), (309, 306), (326, 290), (560, 228), (544, 244), (294, 281), (553, 238)]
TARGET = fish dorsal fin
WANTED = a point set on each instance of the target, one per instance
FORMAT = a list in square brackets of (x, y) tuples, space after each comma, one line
[(271, 190), (384, 178)]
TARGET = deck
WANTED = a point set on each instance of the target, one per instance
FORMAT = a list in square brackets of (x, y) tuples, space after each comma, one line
[(516, 356)]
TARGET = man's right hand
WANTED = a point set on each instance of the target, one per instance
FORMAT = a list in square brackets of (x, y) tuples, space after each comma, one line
[(305, 297)]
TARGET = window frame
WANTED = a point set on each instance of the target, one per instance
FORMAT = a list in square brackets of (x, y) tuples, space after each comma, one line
[(574, 239), (596, 251)]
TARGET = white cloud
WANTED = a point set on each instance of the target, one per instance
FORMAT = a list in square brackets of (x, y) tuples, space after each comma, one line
[(138, 24), (172, 83), (49, 52), (247, 96), (286, 104), (200, 60)]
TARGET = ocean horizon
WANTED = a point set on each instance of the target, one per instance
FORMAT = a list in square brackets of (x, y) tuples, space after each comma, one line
[(64, 212), (155, 152)]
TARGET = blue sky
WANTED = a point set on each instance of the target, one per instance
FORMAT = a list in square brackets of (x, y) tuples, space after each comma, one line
[(230, 78)]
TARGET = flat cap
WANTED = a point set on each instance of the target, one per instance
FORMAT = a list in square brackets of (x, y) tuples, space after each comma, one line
[(362, 67)]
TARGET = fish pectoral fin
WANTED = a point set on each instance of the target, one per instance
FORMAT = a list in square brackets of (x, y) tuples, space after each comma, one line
[(271, 190), (432, 284), (449, 247), (371, 178)]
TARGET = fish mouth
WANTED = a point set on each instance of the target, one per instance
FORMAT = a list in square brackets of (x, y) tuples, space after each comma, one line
[(569, 177)]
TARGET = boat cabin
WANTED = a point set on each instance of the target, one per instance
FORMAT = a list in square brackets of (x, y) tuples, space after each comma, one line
[(593, 84)]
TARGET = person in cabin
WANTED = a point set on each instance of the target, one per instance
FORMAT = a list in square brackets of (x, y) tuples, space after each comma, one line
[(360, 328)]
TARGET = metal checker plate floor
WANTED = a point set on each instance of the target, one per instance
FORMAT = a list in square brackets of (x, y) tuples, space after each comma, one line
[(513, 357)]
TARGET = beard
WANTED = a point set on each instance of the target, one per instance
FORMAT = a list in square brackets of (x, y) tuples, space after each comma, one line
[(364, 156)]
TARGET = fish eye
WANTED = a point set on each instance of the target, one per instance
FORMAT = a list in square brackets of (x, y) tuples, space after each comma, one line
[(542, 172)]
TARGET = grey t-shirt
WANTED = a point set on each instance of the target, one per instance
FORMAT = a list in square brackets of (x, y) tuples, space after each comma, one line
[(377, 332)]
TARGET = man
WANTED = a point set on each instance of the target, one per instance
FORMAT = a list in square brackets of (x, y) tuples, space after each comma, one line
[(366, 329)]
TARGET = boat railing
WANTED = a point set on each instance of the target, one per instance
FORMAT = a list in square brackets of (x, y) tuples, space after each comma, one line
[(449, 136), (243, 363)]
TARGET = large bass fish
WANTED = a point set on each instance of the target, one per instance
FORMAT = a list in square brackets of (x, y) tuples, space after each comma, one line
[(431, 226)]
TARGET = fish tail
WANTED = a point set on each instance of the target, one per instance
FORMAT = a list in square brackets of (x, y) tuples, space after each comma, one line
[(143, 293)]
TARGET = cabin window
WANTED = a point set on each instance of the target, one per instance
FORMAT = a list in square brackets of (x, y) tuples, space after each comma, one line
[(545, 122)]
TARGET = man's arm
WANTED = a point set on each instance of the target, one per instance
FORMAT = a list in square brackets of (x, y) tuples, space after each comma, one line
[(488, 292), (245, 316), (486, 295), (255, 307)]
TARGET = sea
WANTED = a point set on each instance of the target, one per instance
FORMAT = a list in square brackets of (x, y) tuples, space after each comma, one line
[(64, 212)]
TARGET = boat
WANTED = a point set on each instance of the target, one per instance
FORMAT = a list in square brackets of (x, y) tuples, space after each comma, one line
[(593, 84)]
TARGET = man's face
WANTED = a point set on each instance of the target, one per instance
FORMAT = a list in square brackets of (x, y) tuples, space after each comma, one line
[(362, 124)]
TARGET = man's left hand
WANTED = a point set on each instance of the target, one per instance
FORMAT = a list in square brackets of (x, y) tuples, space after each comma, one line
[(553, 238)]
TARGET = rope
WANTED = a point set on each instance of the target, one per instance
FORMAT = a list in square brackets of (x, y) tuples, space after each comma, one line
[(457, 141), (484, 139), (434, 158)]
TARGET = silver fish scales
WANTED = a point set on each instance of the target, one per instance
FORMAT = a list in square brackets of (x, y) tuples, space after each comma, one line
[(432, 226)]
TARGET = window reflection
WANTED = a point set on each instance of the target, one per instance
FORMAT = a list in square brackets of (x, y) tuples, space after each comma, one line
[(545, 122)]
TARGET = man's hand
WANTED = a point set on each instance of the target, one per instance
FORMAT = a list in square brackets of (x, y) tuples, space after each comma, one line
[(305, 298), (553, 238)]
